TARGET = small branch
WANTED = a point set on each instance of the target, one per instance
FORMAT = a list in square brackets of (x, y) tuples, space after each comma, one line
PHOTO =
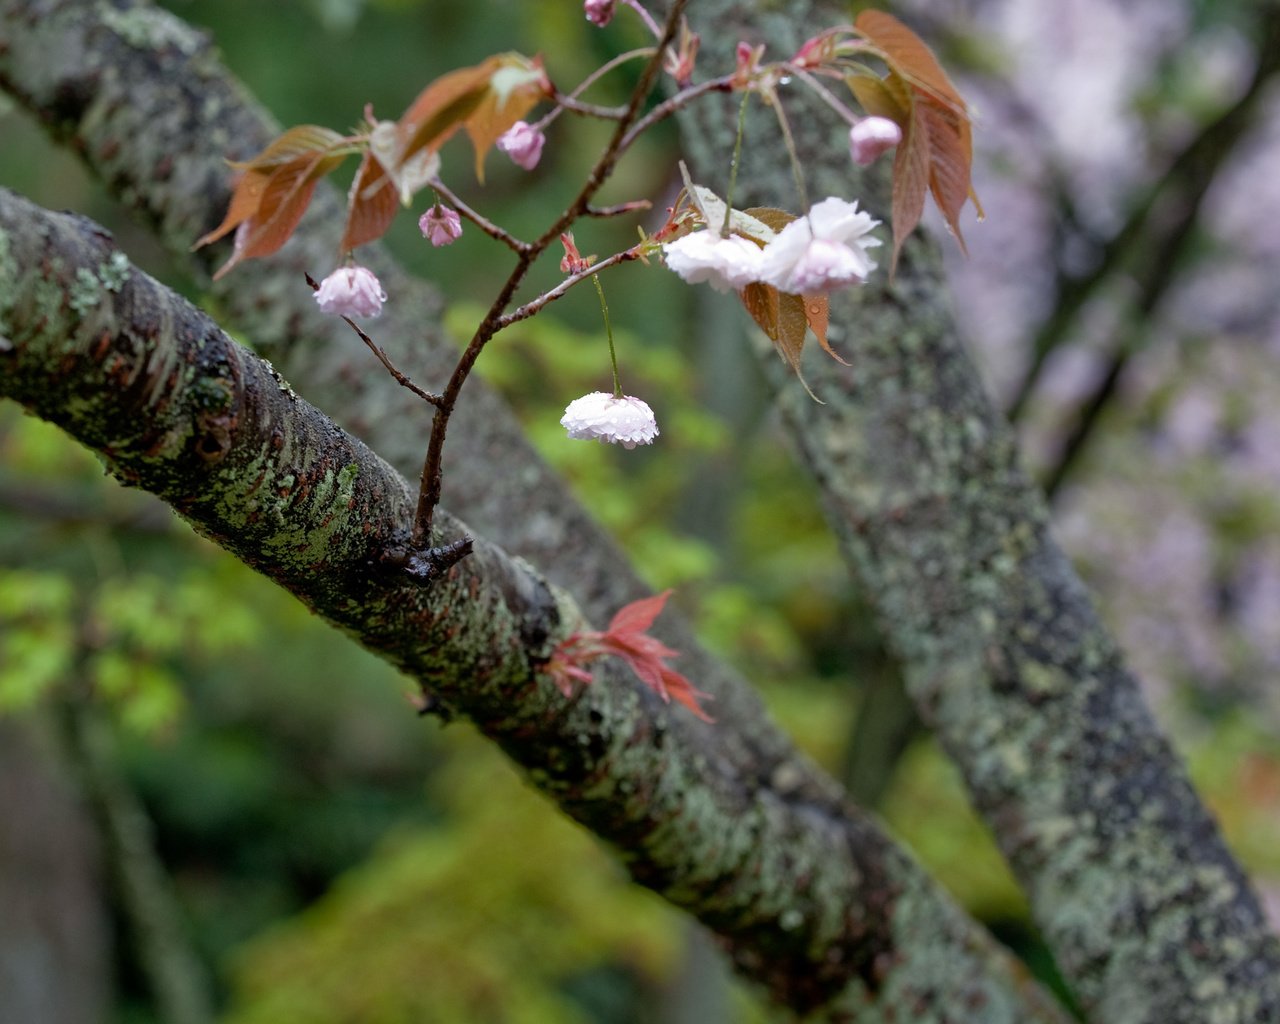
[(673, 105), (559, 291), (478, 219), (431, 478), (585, 109), (635, 206), (400, 378)]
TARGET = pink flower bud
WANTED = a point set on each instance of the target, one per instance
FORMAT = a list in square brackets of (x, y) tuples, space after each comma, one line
[(440, 225), (351, 291), (523, 143), (599, 12), (600, 416), (872, 136)]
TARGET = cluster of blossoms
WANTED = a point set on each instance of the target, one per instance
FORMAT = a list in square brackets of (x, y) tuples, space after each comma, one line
[(819, 252), (824, 250)]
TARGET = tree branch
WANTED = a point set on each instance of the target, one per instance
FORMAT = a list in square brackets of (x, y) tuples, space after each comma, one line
[(809, 896), (1150, 918), (142, 98)]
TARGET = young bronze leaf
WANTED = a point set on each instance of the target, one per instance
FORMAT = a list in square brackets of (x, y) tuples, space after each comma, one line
[(817, 312), (303, 140), (792, 325), (882, 97), (761, 301), (906, 53), (910, 180), (284, 200), (771, 216), (371, 205), (515, 88), (443, 106), (949, 155), (245, 199)]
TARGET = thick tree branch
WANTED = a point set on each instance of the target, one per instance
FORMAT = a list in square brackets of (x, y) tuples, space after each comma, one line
[(810, 898), (1151, 919)]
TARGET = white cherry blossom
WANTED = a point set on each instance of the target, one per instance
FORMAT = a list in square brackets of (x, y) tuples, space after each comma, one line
[(825, 250), (724, 263), (601, 416), (351, 291)]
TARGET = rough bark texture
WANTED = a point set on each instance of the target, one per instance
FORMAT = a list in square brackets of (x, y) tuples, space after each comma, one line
[(810, 898), (1150, 917)]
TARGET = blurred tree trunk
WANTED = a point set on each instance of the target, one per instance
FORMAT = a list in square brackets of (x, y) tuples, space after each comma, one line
[(55, 941)]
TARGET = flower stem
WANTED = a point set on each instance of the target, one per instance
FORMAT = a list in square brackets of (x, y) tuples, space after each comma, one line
[(608, 330), (733, 166), (646, 16), (791, 152)]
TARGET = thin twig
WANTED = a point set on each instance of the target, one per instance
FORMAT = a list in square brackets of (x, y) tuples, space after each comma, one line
[(400, 378), (617, 210), (559, 291), (479, 219)]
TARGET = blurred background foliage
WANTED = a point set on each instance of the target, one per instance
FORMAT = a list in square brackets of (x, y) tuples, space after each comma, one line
[(321, 855)]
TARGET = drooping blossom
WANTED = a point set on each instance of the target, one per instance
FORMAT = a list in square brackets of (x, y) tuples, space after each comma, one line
[(440, 225), (724, 263), (825, 250), (523, 143), (599, 12), (871, 137), (601, 416), (351, 291)]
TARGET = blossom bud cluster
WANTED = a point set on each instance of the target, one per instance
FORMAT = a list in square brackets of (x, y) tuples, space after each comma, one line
[(819, 252)]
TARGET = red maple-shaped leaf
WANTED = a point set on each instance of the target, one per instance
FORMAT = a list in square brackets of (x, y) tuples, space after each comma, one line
[(627, 638)]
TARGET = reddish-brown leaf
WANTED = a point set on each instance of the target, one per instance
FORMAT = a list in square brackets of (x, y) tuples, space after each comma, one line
[(371, 205), (761, 301), (908, 55), (882, 97), (817, 312), (270, 183), (627, 638), (245, 199), (284, 200), (442, 107), (936, 153), (638, 616), (910, 180), (503, 104), (949, 158), (792, 324)]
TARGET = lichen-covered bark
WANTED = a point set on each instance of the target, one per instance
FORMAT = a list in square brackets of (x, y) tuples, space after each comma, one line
[(1150, 917), (143, 99), (811, 899)]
